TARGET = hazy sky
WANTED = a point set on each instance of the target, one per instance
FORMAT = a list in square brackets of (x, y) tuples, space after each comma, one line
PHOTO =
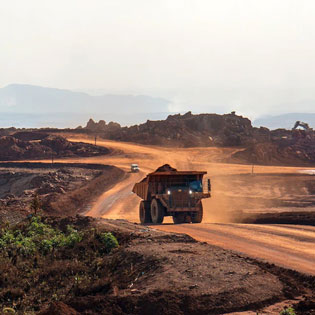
[(257, 57)]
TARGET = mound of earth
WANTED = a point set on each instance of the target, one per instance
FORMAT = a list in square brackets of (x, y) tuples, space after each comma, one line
[(166, 168), (298, 152), (300, 218), (101, 126), (30, 135), (151, 272), (13, 148), (182, 130)]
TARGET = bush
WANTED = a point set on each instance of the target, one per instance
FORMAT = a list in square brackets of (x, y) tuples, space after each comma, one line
[(73, 237), (288, 311), (35, 204), (37, 236), (109, 240), (26, 246)]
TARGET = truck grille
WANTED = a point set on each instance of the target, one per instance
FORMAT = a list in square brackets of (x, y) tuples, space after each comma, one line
[(181, 199)]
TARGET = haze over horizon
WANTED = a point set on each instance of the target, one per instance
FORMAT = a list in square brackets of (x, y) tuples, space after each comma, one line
[(208, 56)]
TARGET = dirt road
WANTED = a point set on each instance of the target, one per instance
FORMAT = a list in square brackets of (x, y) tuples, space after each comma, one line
[(287, 246)]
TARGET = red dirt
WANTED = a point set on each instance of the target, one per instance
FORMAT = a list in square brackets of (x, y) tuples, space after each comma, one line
[(151, 272), (164, 256)]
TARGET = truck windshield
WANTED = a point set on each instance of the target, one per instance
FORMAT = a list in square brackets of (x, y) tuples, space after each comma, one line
[(196, 186)]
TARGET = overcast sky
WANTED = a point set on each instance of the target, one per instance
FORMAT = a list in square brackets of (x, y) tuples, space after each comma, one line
[(256, 57)]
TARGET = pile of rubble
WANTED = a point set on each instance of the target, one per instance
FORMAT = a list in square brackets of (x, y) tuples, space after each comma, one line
[(48, 146), (100, 126), (186, 130), (280, 147), (19, 186)]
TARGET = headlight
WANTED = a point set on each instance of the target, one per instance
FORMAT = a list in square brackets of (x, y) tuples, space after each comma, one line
[(168, 192), (190, 191)]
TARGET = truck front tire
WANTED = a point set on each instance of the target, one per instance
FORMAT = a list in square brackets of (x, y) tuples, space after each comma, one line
[(197, 216), (157, 212), (144, 212)]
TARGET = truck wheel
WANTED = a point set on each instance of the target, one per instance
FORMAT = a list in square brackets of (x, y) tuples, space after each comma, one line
[(157, 212), (144, 213), (188, 219), (197, 216), (179, 218)]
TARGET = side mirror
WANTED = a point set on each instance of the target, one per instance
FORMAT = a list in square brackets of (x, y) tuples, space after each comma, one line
[(209, 185)]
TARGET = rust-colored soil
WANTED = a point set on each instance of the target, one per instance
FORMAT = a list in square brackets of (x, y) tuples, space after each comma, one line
[(152, 272), (237, 196)]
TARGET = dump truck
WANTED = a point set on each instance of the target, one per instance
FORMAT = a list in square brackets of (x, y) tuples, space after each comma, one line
[(168, 192)]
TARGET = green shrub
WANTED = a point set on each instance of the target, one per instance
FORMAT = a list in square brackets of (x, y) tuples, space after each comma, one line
[(2, 243), (288, 311), (46, 246), (73, 237), (35, 204), (109, 240), (37, 227), (38, 236), (27, 246), (8, 237)]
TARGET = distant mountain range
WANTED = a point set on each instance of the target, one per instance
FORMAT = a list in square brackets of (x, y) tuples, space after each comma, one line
[(35, 106), (30, 99), (286, 121)]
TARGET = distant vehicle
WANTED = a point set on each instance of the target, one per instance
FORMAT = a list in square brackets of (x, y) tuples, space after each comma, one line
[(134, 168), (168, 192)]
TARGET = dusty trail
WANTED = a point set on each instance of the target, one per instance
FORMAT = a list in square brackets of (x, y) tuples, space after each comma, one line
[(288, 246)]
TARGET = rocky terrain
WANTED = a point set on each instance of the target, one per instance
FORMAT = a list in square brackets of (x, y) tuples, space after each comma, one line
[(257, 145), (63, 189), (7, 131), (261, 145), (287, 151), (97, 266), (182, 130), (66, 267), (36, 145)]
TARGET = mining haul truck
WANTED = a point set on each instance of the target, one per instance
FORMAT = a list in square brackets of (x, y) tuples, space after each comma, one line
[(168, 192)]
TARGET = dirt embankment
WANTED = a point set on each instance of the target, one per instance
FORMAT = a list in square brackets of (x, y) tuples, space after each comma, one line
[(298, 153), (63, 188), (150, 272), (30, 145)]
